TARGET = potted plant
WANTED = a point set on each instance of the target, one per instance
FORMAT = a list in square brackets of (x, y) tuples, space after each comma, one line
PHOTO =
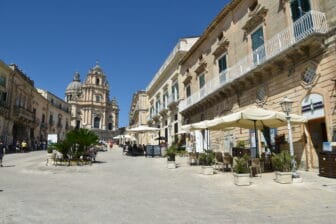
[(171, 154), (241, 171), (281, 163), (207, 160), (51, 155)]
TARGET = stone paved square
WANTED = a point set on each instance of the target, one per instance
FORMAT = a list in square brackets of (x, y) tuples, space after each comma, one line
[(123, 189)]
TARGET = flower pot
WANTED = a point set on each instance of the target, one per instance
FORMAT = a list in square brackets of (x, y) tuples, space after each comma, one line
[(283, 177), (242, 179), (171, 164), (207, 170)]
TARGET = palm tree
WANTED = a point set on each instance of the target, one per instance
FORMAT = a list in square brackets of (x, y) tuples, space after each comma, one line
[(80, 139)]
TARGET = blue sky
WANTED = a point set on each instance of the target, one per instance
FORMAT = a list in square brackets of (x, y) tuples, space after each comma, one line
[(51, 40)]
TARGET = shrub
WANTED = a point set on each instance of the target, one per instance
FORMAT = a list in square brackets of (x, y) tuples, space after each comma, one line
[(241, 165), (207, 158), (282, 161), (51, 147), (171, 152)]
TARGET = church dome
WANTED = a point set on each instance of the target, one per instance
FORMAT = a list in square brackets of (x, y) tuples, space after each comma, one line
[(75, 85)]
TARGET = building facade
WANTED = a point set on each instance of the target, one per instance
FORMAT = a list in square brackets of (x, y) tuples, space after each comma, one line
[(256, 52), (138, 115), (139, 109), (164, 93), (91, 107), (54, 115), (23, 110)]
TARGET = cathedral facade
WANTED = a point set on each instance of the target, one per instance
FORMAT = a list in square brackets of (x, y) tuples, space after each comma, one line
[(91, 107)]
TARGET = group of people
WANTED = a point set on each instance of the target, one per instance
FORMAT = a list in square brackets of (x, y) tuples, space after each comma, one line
[(21, 146), (134, 149)]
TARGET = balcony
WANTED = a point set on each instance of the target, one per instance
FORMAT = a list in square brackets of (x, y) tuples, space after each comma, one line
[(312, 23), (164, 109), (44, 125), (23, 113), (173, 100)]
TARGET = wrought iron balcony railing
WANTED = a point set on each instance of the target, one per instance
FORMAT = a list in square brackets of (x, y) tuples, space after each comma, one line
[(313, 22)]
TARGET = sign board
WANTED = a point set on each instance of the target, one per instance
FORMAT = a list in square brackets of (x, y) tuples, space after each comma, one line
[(52, 138), (327, 147)]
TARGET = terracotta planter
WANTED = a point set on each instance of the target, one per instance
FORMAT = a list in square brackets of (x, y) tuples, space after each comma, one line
[(242, 179), (207, 170), (283, 177)]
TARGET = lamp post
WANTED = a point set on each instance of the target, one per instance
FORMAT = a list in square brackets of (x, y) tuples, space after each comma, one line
[(286, 105)]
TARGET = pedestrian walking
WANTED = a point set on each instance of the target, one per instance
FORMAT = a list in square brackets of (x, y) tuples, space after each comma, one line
[(24, 146), (2, 152)]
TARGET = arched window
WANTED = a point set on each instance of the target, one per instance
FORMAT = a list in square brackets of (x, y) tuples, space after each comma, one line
[(96, 123)]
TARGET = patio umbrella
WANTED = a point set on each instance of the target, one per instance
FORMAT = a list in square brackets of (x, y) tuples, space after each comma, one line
[(254, 118), (160, 138), (143, 129), (117, 137)]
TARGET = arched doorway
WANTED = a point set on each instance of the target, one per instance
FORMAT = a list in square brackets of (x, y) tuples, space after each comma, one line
[(313, 109)]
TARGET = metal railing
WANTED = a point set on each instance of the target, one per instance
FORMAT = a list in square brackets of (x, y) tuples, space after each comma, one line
[(311, 23), (173, 98)]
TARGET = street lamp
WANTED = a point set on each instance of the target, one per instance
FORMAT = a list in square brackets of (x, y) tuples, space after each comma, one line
[(286, 105)]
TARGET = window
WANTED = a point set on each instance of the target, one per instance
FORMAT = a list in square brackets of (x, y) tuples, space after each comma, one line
[(299, 9), (43, 118), (77, 124), (59, 122), (222, 66), (110, 127), (188, 91), (157, 105), (3, 98), (69, 97), (253, 6), (201, 80), (257, 38), (3, 81), (96, 122), (165, 99), (151, 111), (175, 93), (51, 119), (97, 81), (34, 113), (97, 98)]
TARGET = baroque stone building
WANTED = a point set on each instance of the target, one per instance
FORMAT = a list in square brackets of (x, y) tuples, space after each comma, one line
[(91, 107), (27, 113), (256, 52)]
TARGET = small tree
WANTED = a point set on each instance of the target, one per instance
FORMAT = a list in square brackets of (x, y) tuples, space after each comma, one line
[(171, 152), (207, 158), (241, 165), (282, 161)]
